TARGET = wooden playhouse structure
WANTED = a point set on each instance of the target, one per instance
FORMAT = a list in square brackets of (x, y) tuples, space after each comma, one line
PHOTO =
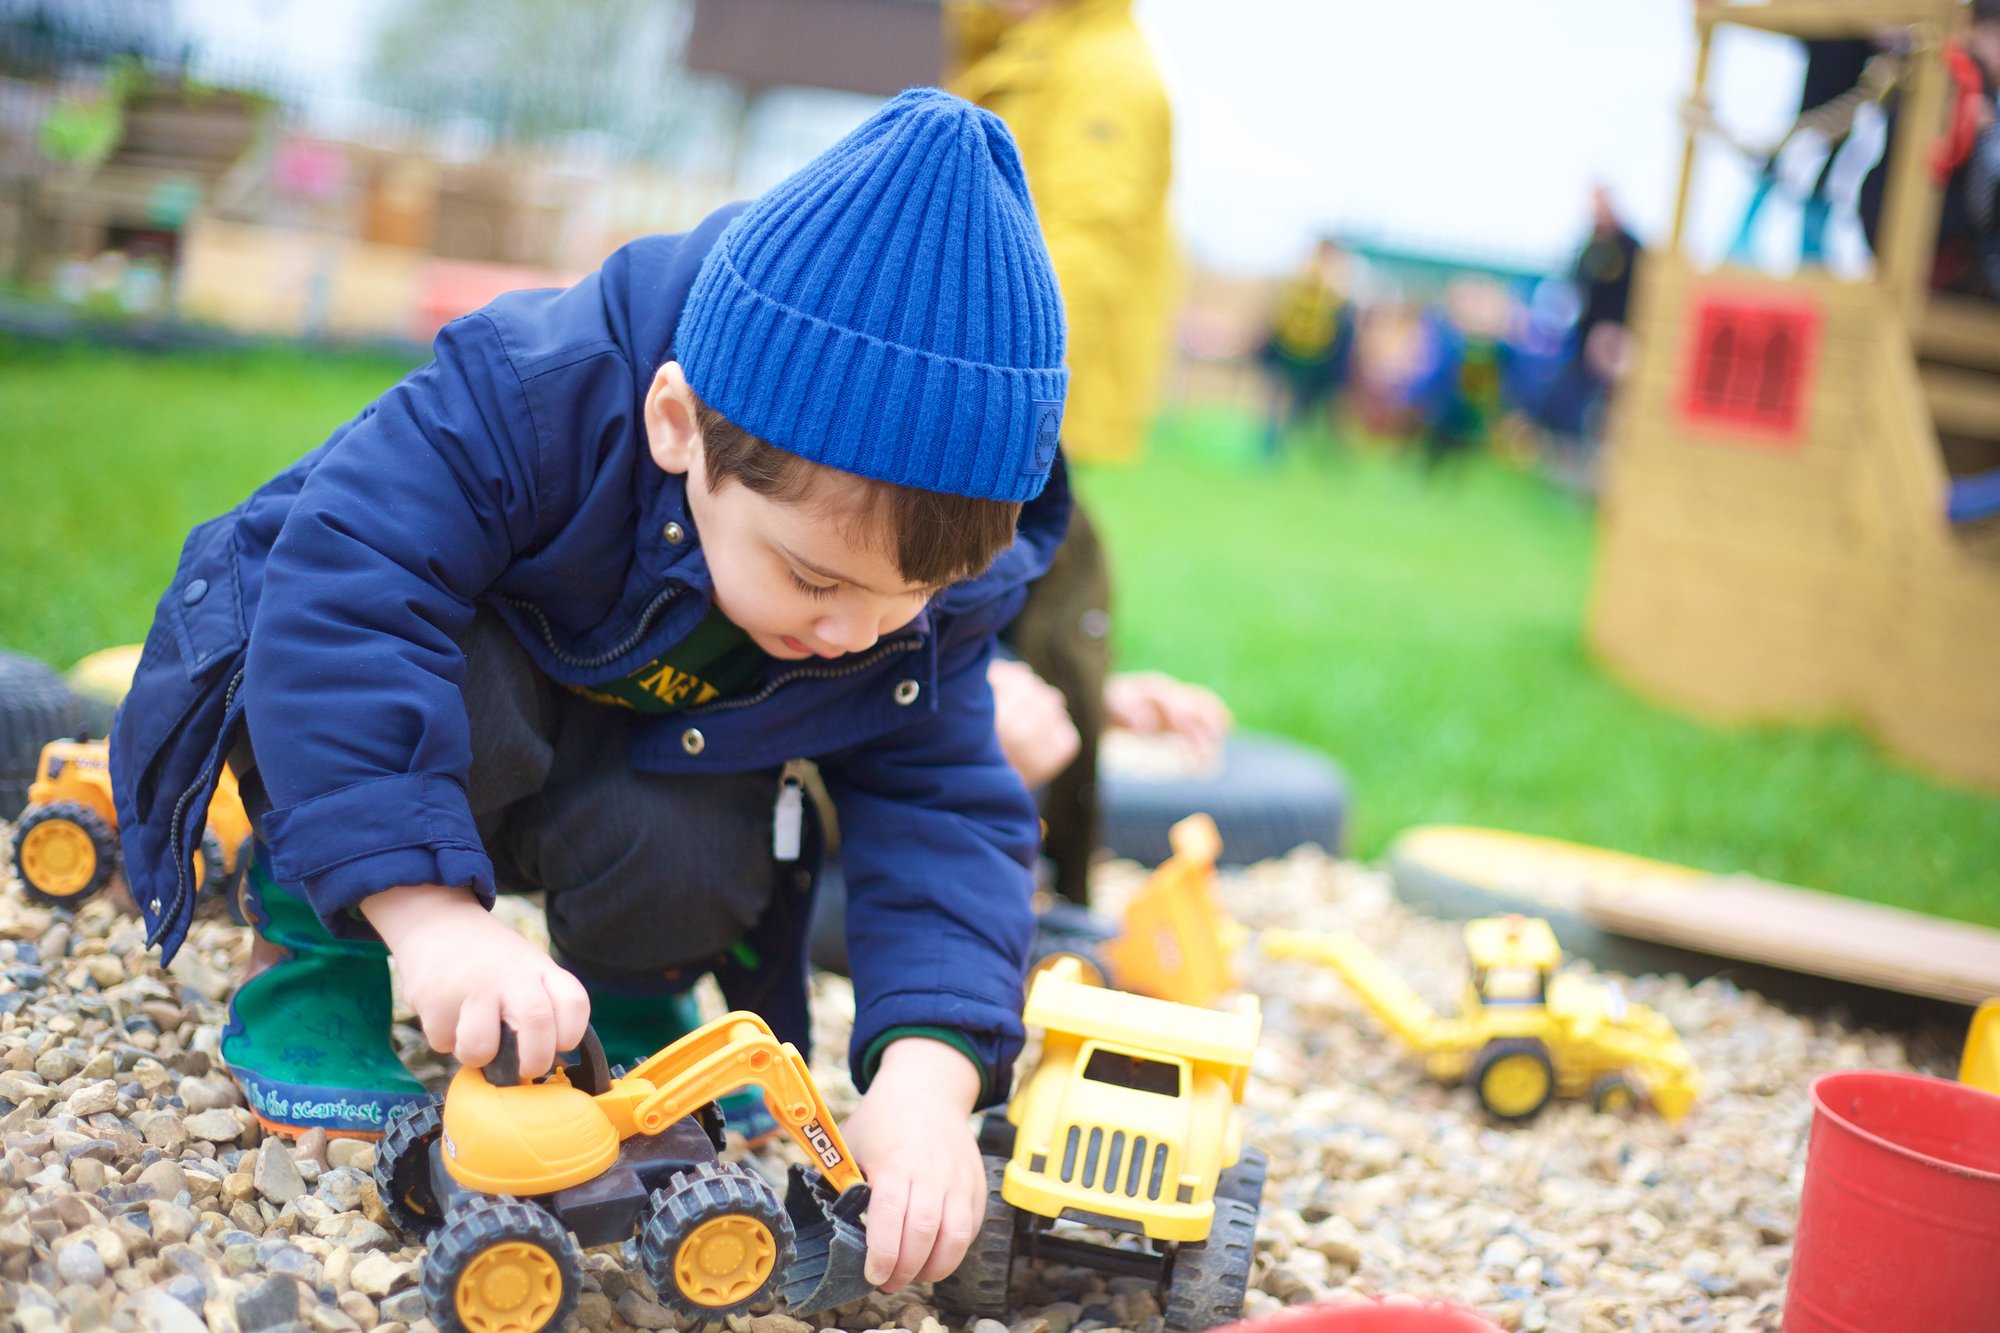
[(1775, 542)]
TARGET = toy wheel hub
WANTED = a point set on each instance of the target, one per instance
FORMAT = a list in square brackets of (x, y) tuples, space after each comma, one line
[(513, 1287), (1515, 1083), (59, 857), (724, 1260)]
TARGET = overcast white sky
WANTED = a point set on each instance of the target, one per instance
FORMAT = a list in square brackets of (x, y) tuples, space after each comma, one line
[(1465, 124)]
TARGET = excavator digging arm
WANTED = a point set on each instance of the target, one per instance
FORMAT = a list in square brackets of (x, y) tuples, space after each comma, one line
[(736, 1051)]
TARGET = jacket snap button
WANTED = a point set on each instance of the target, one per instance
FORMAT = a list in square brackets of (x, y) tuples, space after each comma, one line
[(693, 741), (906, 692), (194, 592), (674, 533)]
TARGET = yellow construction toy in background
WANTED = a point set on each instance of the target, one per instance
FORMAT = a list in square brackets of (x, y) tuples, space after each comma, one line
[(509, 1181), (1979, 1067), (1525, 1033), (1175, 941), (1129, 1122), (66, 840)]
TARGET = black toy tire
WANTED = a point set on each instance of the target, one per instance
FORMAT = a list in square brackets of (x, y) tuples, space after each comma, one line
[(103, 843), (985, 1277), (1616, 1094), (1211, 1277), (1503, 1048), (701, 1194), (1244, 1182), (403, 1166), (996, 1135), (239, 880), (1269, 796), (477, 1228), (214, 877), (36, 707)]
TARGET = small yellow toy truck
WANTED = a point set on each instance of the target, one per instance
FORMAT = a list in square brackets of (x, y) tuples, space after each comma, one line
[(1524, 1033), (509, 1181), (1130, 1124), (66, 840)]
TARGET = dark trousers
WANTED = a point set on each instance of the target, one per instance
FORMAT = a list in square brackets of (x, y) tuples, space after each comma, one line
[(651, 880)]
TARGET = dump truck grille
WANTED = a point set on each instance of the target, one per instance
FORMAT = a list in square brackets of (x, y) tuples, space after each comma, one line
[(1095, 1158)]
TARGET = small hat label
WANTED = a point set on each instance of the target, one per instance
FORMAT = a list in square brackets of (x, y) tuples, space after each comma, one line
[(1048, 435)]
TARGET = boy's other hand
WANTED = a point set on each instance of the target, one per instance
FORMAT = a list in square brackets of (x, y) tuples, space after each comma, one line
[(1037, 734), (463, 971), (912, 1137), (1153, 703)]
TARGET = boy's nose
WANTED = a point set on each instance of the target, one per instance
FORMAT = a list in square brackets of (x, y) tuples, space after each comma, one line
[(850, 634)]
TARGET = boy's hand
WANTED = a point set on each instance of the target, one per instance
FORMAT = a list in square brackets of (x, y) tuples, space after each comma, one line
[(463, 971), (912, 1137)]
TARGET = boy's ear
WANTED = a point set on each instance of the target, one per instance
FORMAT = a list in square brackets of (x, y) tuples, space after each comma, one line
[(672, 434)]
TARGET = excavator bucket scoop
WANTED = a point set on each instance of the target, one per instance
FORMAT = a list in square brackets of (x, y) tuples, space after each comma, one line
[(832, 1243)]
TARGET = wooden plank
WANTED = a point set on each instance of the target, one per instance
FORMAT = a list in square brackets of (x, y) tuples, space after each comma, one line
[(1805, 931), (1960, 329), (1821, 18), (1962, 402)]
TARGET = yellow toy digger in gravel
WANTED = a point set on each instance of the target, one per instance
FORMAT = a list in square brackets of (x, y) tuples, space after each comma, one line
[(510, 1181), (66, 840), (1525, 1033)]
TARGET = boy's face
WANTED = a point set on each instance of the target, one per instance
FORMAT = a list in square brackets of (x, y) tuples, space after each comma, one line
[(791, 576)]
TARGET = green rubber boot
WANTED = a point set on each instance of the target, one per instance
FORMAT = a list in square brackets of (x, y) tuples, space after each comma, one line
[(308, 1037), (633, 1027)]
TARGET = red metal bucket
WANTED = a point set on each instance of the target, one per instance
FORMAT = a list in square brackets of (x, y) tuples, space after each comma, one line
[(1899, 1224), (1368, 1317)]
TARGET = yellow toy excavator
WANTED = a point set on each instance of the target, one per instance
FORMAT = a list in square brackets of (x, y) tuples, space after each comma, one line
[(511, 1180), (66, 840), (1525, 1033)]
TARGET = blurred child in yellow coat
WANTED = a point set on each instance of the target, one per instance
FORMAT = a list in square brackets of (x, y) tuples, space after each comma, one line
[(1076, 82)]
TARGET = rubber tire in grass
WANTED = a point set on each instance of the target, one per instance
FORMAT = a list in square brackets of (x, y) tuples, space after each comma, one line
[(980, 1287), (35, 708), (1210, 1277), (483, 1235), (1269, 796)]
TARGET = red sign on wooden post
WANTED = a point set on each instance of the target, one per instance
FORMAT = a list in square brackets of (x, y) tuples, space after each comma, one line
[(1750, 369)]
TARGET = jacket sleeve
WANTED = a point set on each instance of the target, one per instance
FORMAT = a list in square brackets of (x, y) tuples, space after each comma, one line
[(353, 685), (937, 839)]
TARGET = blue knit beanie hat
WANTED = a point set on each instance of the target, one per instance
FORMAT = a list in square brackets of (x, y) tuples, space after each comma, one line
[(890, 310)]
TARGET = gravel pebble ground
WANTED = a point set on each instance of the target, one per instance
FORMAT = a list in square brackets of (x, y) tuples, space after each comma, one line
[(137, 1193)]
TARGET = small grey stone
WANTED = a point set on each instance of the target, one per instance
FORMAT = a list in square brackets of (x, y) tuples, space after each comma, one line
[(161, 1312), (405, 1307), (342, 1188), (277, 1176), (594, 1310), (164, 1178), (92, 1098), (638, 1312), (221, 1125), (272, 1302), (80, 1263)]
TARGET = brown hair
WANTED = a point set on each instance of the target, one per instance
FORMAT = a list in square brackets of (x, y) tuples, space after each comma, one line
[(934, 538)]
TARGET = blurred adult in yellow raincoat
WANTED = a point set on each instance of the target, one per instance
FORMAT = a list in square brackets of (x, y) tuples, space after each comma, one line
[(1076, 82)]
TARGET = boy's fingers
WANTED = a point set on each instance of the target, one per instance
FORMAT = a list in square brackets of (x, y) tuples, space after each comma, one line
[(920, 1232), (954, 1238), (534, 1021), (572, 1007), (885, 1229), (478, 1038)]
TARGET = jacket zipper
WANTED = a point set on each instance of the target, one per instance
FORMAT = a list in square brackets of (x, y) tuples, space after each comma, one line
[(646, 619), (175, 839), (868, 659)]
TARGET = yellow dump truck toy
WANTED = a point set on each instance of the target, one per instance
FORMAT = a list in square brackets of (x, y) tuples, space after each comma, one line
[(1129, 1123), (1525, 1033), (66, 841), (509, 1181)]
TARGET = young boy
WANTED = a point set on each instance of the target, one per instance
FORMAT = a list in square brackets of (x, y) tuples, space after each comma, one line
[(558, 611)]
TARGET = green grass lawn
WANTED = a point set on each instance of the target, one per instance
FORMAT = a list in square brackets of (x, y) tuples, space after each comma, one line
[(1428, 636)]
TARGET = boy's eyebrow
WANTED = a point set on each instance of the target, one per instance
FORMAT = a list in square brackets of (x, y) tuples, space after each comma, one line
[(838, 577)]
